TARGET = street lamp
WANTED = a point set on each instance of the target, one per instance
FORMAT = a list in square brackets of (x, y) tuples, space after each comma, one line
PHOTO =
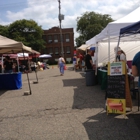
[(61, 17)]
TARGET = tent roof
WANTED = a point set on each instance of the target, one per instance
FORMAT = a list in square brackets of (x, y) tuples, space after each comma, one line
[(130, 18), (36, 52), (11, 46), (112, 30), (131, 29), (83, 47)]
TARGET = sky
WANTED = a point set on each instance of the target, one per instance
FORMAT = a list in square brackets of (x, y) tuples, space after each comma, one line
[(45, 12)]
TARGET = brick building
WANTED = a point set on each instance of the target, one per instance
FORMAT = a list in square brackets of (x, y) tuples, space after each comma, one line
[(53, 43)]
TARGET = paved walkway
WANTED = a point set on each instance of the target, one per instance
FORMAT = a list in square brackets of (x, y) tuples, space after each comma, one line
[(62, 108)]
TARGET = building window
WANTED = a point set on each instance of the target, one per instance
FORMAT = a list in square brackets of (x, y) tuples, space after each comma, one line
[(67, 38), (68, 50), (68, 60), (63, 39), (44, 50), (50, 39), (56, 51), (50, 50), (44, 37), (55, 38)]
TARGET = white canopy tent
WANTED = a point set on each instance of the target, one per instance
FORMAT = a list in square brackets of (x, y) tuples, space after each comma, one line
[(107, 39)]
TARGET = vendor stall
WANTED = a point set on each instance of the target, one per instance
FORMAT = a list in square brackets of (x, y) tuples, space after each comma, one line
[(13, 80), (10, 81)]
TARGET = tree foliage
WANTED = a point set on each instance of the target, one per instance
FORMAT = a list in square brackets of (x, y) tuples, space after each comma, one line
[(4, 30), (28, 32), (89, 25)]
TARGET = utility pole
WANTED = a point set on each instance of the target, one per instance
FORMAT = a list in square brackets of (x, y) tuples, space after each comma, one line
[(61, 17)]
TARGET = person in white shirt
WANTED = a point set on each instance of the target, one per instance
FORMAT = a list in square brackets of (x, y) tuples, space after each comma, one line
[(61, 63), (121, 56)]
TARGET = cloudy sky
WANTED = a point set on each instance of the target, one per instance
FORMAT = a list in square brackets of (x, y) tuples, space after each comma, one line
[(45, 12)]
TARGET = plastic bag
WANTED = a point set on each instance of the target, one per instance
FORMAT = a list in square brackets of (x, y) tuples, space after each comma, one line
[(65, 67)]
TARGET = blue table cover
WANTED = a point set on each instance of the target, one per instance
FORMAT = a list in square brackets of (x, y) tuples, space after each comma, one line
[(10, 81)]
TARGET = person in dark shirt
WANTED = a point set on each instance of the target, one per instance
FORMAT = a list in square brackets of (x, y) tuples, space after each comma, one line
[(136, 67), (15, 65), (8, 65), (88, 60)]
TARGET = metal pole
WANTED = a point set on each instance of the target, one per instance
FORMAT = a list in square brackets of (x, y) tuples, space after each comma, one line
[(62, 51), (27, 74), (36, 69)]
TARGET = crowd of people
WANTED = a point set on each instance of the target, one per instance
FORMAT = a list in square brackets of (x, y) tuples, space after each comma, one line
[(83, 61), (11, 65)]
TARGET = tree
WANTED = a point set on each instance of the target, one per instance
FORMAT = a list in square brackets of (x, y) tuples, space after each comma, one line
[(4, 30), (28, 32), (89, 25)]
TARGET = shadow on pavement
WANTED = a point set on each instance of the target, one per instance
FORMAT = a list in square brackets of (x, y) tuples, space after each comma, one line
[(2, 92), (109, 127), (70, 68), (82, 74), (136, 118), (85, 96), (56, 76)]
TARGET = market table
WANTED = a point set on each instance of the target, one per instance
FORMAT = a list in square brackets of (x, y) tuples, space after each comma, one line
[(102, 78), (10, 81)]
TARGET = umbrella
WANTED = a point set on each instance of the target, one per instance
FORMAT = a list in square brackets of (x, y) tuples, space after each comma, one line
[(45, 56), (22, 55)]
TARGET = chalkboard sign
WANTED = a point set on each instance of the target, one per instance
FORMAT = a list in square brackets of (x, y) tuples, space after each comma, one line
[(116, 87)]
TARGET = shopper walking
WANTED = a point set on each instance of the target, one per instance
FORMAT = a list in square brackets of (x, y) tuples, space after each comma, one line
[(61, 64)]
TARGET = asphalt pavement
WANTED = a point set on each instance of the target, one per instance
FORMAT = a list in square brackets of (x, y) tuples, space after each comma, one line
[(62, 108)]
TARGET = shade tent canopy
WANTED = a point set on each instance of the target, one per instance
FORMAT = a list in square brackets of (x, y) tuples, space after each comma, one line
[(107, 39), (35, 52), (83, 47), (11, 46), (45, 56), (112, 30), (130, 30)]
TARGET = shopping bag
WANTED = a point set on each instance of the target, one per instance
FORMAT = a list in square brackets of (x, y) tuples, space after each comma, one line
[(65, 67)]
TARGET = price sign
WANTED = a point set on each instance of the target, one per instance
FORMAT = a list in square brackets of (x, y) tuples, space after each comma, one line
[(116, 68)]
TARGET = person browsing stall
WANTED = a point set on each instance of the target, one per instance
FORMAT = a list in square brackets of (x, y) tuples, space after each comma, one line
[(74, 61), (80, 58), (88, 60), (136, 67), (8, 65), (121, 56)]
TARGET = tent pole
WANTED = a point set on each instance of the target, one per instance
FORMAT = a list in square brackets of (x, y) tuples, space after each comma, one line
[(96, 57), (27, 74), (35, 69), (18, 63), (117, 47), (108, 48), (2, 65)]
